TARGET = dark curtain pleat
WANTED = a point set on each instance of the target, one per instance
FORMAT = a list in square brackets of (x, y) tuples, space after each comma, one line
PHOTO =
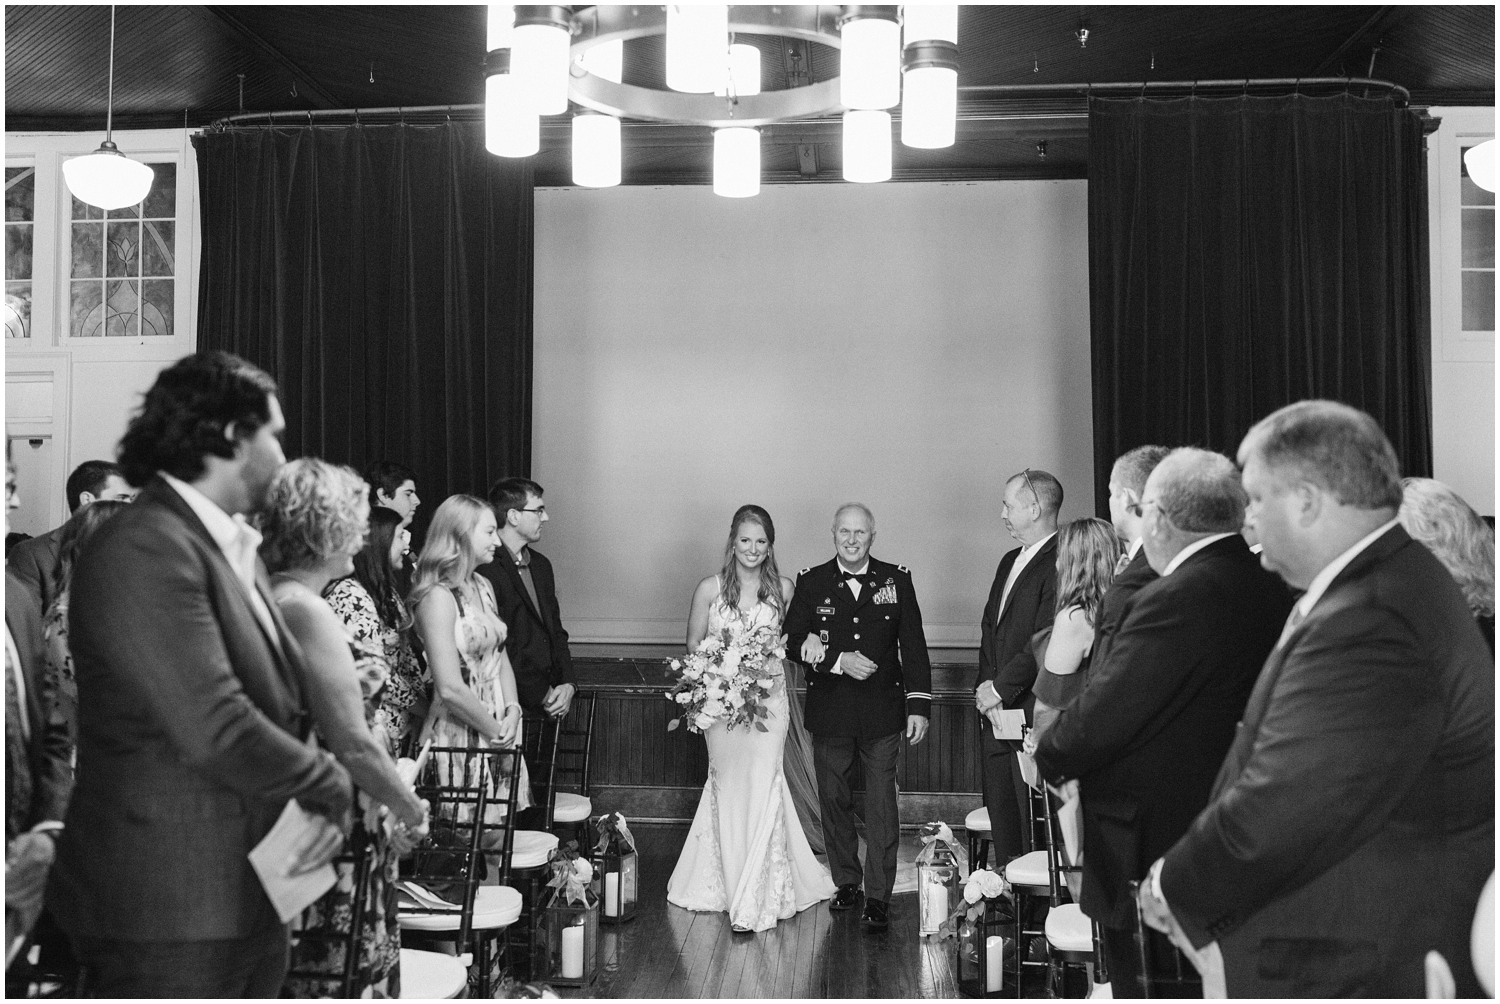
[(383, 276), (1248, 252)]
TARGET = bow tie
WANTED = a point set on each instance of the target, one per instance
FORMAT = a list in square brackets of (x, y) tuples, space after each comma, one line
[(849, 577)]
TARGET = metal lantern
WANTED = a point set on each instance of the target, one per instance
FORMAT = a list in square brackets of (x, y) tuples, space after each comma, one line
[(937, 879), (984, 942), (616, 869), (567, 927)]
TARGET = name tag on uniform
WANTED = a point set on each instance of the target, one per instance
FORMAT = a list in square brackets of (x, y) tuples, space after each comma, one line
[(886, 595), (826, 612)]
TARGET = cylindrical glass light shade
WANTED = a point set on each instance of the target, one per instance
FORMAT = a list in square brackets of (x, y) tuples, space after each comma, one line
[(870, 63), (539, 59), (510, 128), (929, 107), (606, 61), (500, 23), (107, 178), (927, 22), (596, 150), (737, 162), (867, 145), (697, 46), (744, 71)]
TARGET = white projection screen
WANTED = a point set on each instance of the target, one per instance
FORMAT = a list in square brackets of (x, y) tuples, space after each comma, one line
[(904, 345)]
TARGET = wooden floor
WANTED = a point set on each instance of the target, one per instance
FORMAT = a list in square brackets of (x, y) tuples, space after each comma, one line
[(667, 951)]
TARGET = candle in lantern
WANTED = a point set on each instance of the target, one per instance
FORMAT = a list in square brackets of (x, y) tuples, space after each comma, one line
[(994, 963), (572, 952), (612, 894), (934, 906)]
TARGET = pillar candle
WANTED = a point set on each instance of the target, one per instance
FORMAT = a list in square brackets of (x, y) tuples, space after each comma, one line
[(572, 953), (994, 963), (934, 906), (611, 894)]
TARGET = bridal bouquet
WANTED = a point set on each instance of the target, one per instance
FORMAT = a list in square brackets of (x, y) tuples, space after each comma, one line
[(727, 679)]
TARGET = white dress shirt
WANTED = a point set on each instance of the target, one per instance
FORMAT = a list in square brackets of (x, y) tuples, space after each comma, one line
[(237, 539), (1022, 559), (1190, 550)]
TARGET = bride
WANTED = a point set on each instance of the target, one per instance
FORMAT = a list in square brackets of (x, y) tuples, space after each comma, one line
[(746, 853)]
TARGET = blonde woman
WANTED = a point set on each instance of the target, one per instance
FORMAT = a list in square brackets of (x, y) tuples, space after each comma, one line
[(1087, 550), (1436, 516)]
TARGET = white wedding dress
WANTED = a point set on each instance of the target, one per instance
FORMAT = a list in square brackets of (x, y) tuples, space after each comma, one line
[(746, 853)]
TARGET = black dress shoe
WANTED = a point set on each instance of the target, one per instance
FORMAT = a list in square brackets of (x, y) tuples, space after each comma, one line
[(877, 915), (846, 898)]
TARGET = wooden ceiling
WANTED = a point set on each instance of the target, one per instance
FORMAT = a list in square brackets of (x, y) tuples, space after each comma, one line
[(192, 65)]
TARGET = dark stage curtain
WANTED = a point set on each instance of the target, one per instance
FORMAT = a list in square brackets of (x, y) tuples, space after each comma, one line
[(383, 275), (1248, 252)]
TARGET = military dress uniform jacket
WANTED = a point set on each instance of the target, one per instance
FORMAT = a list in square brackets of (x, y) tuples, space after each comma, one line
[(885, 624)]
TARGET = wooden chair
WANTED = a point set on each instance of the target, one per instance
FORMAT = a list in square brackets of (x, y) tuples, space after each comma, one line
[(355, 858), (977, 826), (559, 754), (1072, 938), (1183, 975), (1030, 877)]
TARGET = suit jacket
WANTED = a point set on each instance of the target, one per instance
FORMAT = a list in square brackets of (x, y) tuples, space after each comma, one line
[(885, 624), (1005, 654), (34, 562), (1352, 824), (49, 749), (535, 639), (1131, 579), (190, 735), (1148, 733)]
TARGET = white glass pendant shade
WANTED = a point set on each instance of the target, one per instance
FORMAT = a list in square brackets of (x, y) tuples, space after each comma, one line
[(929, 22), (1479, 161), (736, 162), (870, 63), (697, 47), (596, 150), (929, 107), (867, 145), (606, 61), (107, 178), (511, 129), (744, 71), (539, 58), (500, 23)]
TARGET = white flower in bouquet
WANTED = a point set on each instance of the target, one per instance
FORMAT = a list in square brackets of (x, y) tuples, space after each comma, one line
[(704, 721), (735, 699), (983, 884), (684, 698), (583, 870), (766, 684), (713, 708)]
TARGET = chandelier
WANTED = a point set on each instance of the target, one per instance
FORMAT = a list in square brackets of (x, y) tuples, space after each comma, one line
[(543, 58)]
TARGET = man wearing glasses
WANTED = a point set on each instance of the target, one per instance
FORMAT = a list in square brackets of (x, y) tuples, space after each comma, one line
[(526, 594), (1020, 604)]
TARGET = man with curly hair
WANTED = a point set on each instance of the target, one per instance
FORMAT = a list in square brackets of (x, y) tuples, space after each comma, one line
[(192, 720)]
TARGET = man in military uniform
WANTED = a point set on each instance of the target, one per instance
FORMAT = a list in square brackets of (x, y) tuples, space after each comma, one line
[(856, 623)]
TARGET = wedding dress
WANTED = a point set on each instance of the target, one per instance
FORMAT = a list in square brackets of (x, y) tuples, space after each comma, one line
[(746, 853)]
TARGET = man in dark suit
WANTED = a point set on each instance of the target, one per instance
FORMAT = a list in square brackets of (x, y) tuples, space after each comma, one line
[(38, 775), (1020, 604), (34, 561), (1127, 486), (1352, 824), (855, 622), (1147, 734), (192, 719), (526, 592)]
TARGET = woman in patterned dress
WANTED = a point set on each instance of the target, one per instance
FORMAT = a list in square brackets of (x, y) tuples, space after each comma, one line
[(314, 522), (370, 605)]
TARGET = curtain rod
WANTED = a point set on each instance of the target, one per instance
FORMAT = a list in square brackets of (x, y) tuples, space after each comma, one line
[(400, 113)]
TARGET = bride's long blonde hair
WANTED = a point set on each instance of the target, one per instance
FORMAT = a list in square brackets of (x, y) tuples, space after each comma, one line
[(770, 575)]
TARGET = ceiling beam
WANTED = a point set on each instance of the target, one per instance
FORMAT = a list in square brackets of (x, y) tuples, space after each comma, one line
[(1360, 34), (316, 95)]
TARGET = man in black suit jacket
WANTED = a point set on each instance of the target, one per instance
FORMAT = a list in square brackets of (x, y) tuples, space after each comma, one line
[(526, 592), (1352, 825), (1127, 486), (193, 726), (1020, 604), (1146, 736), (856, 623), (34, 561)]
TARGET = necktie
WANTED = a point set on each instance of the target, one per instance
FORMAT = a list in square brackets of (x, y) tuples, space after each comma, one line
[(1298, 615), (1123, 563), (17, 762)]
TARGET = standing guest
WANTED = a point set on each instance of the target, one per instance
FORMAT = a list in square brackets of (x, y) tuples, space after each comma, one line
[(192, 719), (526, 592), (34, 561), (1022, 601), (1352, 824), (1146, 736), (1127, 485), (370, 605), (314, 523), (38, 775), (76, 533), (394, 487), (855, 622), (473, 686), (1436, 516), (1087, 552)]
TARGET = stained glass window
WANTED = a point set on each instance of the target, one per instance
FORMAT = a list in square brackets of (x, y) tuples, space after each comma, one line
[(1477, 251), (20, 233), (122, 281)]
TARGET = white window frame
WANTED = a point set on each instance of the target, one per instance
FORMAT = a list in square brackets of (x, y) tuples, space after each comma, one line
[(1460, 127)]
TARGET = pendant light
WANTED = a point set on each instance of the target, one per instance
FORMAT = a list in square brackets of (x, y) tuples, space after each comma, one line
[(511, 128), (697, 46), (870, 58), (596, 137), (540, 55), (867, 145), (107, 178), (737, 162), (929, 69)]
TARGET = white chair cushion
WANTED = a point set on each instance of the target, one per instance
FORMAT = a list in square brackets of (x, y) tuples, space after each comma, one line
[(978, 820), (431, 975), (1028, 869), (495, 906), (532, 848), (1068, 930), (571, 808), (1102, 992)]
